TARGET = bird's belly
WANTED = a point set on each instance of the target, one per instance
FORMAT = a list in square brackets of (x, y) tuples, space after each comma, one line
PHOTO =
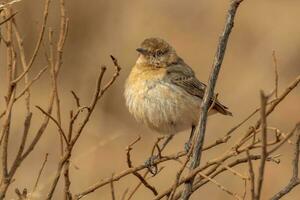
[(162, 106)]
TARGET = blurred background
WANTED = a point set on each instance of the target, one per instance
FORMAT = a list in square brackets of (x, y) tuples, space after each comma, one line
[(99, 28)]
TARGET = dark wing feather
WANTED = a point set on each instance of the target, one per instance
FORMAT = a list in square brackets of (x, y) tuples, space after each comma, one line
[(185, 78)]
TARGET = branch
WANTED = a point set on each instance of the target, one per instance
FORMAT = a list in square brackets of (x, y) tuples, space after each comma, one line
[(112, 189), (28, 85), (99, 91), (264, 153), (40, 173), (295, 180), (38, 44), (61, 131), (276, 73), (251, 175), (236, 196), (209, 93)]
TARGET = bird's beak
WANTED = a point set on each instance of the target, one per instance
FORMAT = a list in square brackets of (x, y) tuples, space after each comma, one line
[(142, 51)]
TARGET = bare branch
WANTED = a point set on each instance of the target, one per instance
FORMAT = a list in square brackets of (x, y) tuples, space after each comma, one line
[(295, 180), (56, 123), (38, 44), (40, 173), (77, 99), (251, 175), (30, 83), (199, 138), (236, 196), (264, 100), (112, 189), (276, 73)]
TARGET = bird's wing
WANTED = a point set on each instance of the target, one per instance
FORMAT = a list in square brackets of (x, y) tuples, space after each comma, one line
[(184, 77)]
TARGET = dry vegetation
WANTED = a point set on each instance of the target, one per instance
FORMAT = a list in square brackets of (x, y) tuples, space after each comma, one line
[(260, 142)]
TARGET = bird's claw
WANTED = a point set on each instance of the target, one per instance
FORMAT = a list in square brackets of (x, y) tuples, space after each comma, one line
[(150, 164)]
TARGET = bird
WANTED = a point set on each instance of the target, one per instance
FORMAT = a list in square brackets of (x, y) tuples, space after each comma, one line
[(163, 92)]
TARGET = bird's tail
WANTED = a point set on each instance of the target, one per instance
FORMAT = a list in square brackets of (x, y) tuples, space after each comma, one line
[(221, 108)]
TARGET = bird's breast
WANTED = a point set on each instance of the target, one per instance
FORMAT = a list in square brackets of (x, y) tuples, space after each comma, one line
[(160, 104)]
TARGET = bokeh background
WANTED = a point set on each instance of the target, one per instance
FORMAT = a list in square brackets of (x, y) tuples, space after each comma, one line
[(99, 28)]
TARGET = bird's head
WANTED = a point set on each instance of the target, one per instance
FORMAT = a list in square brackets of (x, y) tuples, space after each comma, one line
[(156, 52)]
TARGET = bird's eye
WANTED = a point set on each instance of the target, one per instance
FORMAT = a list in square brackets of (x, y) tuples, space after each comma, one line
[(159, 53)]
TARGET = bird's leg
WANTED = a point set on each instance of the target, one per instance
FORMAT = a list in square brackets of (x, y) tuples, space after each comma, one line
[(150, 161), (188, 144), (168, 139)]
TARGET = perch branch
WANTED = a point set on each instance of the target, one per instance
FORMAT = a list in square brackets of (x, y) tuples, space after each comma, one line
[(209, 93)]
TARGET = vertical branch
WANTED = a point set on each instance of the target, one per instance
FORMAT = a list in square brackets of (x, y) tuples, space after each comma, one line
[(45, 122), (8, 174), (59, 52), (251, 175), (260, 178), (23, 62), (54, 76), (112, 188), (199, 138), (17, 161), (55, 68), (5, 130)]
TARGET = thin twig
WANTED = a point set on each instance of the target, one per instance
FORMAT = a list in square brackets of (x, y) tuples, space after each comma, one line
[(139, 176), (202, 181), (55, 122), (295, 180), (251, 175), (112, 189), (30, 83), (10, 95), (77, 100), (236, 196), (38, 44), (99, 91), (178, 175), (245, 189), (40, 173), (234, 172), (124, 194), (289, 135), (276, 73)]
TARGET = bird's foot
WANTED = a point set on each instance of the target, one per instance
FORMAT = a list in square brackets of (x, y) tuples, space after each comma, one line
[(150, 164)]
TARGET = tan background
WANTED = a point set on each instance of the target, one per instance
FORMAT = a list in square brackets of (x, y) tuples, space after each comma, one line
[(99, 28)]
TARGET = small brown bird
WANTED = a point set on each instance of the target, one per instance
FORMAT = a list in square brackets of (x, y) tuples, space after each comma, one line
[(163, 92)]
